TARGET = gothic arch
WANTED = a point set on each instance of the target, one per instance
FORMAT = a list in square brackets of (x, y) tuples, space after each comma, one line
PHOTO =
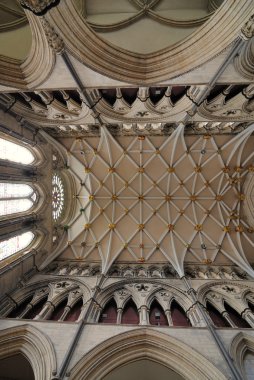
[(34, 345), (149, 344), (21, 295), (124, 65), (240, 344), (204, 289)]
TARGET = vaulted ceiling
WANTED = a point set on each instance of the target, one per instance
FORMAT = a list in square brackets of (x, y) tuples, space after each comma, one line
[(154, 199)]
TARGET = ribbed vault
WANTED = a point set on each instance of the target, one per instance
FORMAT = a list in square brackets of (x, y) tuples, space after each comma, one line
[(176, 199)]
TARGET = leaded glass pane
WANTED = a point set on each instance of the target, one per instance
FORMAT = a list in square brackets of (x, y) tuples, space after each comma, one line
[(15, 190), (14, 152), (15, 244), (57, 197), (11, 206)]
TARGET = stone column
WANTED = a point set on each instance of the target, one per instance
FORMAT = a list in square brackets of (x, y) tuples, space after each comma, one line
[(248, 316), (227, 317), (195, 316), (65, 313), (27, 309), (46, 311), (143, 320), (119, 315), (169, 318)]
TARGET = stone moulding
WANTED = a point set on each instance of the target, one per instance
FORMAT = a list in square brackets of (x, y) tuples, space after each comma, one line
[(240, 344), (36, 68), (201, 46), (34, 345), (144, 344)]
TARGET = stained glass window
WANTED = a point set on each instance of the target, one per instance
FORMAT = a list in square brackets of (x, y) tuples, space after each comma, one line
[(15, 152), (16, 197), (57, 196), (15, 244)]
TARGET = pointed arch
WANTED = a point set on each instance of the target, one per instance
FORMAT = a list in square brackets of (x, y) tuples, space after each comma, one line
[(34, 345), (235, 317), (75, 311), (178, 315), (144, 343), (242, 345), (109, 312), (15, 244), (36, 309), (14, 313), (216, 317), (157, 315), (59, 309), (15, 152), (130, 314)]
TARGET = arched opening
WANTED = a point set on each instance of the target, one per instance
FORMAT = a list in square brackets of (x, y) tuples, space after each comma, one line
[(248, 366), (19, 308), (143, 370), (37, 308), (15, 152), (147, 346), (75, 311), (16, 367), (216, 317), (57, 313), (178, 315), (109, 313), (130, 314), (16, 198), (157, 315), (235, 317), (15, 244)]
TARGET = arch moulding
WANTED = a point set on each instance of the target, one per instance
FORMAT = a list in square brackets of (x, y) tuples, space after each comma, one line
[(144, 344), (34, 345)]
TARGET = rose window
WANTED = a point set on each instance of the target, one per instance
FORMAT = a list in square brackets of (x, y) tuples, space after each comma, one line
[(57, 196)]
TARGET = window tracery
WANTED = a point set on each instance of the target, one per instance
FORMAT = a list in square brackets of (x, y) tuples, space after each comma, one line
[(57, 196), (15, 152), (16, 197), (15, 244)]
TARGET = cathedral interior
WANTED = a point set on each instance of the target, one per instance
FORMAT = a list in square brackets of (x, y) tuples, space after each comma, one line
[(127, 216)]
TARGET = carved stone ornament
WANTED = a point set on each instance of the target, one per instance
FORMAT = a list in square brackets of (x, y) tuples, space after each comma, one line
[(248, 28), (39, 7), (54, 41)]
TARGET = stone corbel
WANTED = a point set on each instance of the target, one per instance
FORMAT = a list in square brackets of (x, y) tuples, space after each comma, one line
[(247, 30), (54, 41), (39, 7)]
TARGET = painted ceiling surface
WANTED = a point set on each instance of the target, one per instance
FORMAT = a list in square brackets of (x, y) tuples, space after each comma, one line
[(171, 199)]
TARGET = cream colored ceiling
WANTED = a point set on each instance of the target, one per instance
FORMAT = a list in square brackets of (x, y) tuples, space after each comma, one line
[(15, 33), (157, 199), (144, 26), (11, 14)]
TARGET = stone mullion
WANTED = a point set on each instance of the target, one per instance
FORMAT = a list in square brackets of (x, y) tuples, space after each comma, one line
[(169, 317), (46, 311), (143, 315), (226, 315), (119, 315), (66, 311)]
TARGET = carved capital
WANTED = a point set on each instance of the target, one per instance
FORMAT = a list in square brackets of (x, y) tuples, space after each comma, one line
[(54, 41), (247, 30), (39, 7)]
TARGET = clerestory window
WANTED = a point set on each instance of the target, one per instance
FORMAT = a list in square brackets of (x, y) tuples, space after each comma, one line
[(16, 197), (15, 152), (15, 244)]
